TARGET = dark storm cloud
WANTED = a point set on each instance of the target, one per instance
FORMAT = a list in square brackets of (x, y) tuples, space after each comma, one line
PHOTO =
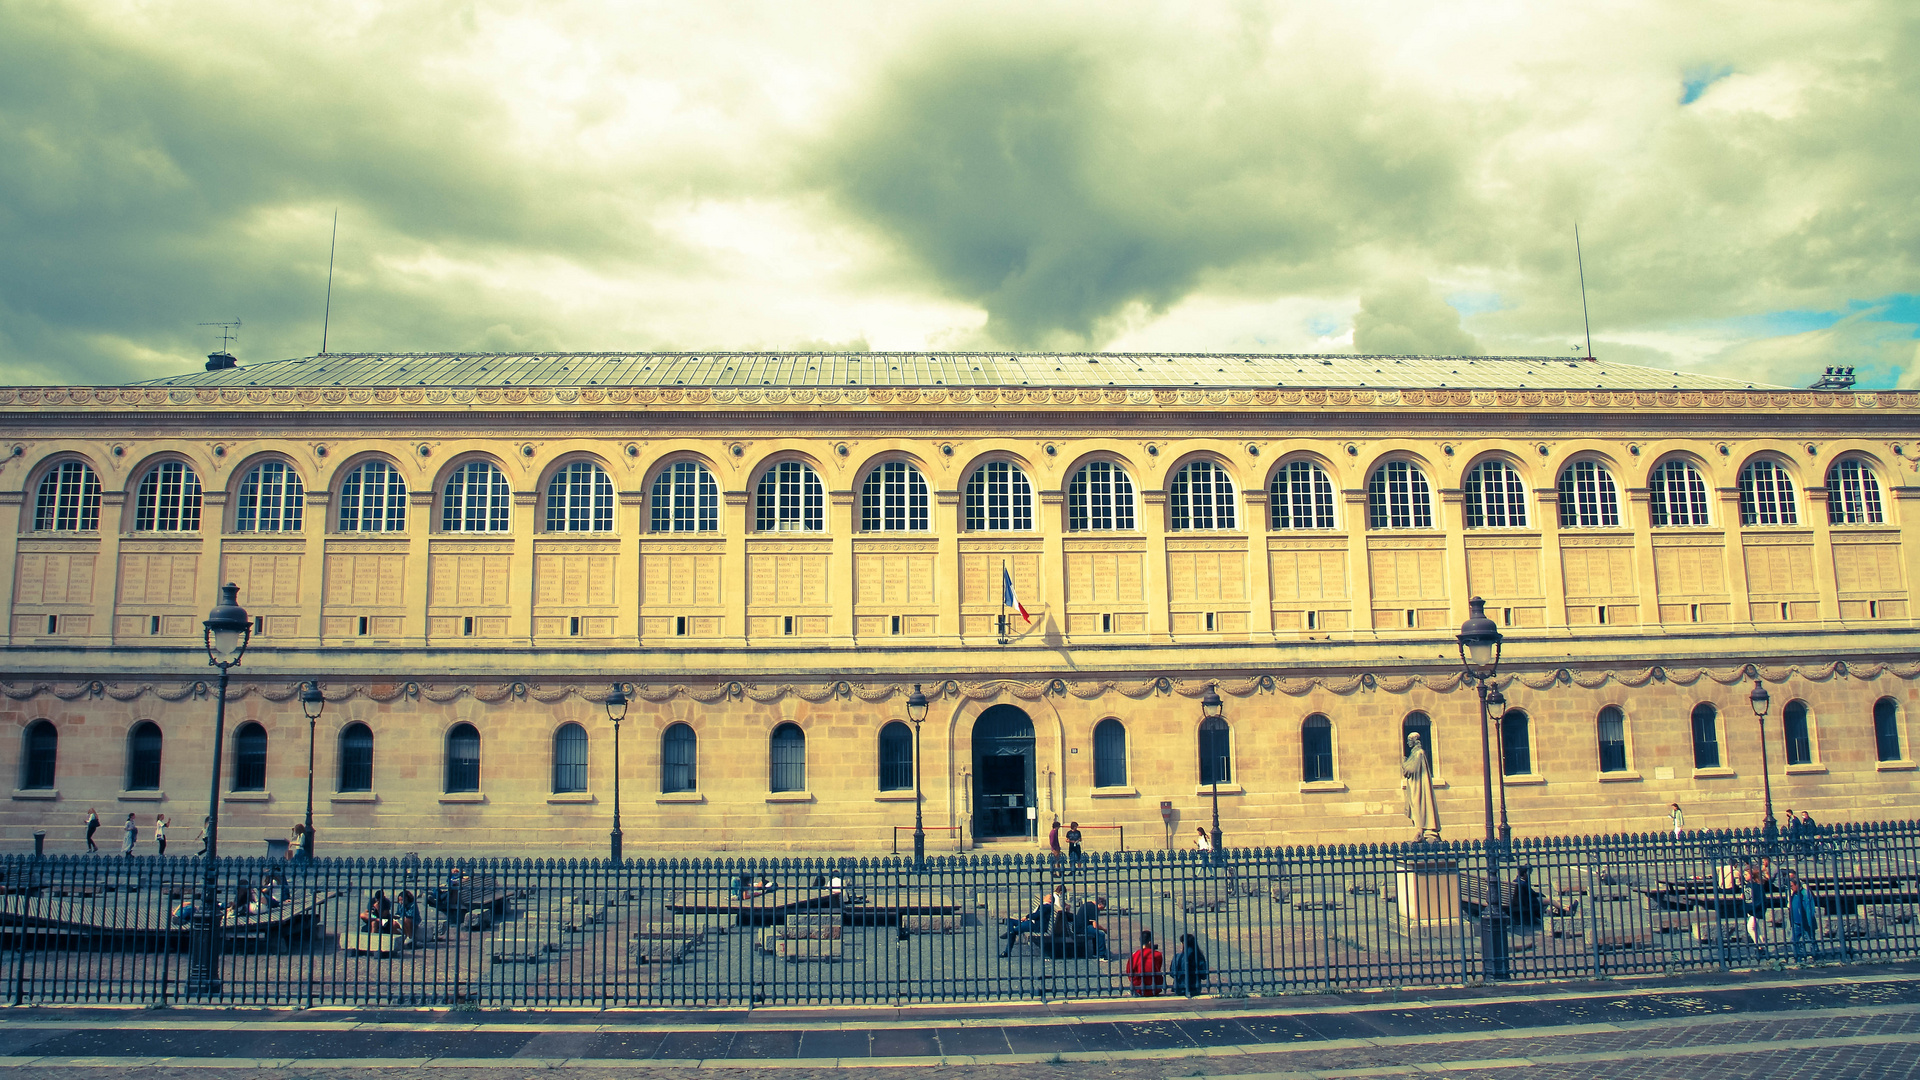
[(1058, 183)]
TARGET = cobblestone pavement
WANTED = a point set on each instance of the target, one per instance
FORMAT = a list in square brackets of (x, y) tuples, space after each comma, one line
[(1856, 1026)]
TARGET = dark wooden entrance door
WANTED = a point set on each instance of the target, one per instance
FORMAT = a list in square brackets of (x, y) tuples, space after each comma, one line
[(1003, 786)]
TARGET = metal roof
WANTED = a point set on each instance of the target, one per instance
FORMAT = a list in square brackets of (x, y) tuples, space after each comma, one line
[(797, 369)]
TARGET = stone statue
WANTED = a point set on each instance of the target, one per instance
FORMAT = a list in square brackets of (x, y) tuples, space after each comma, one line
[(1416, 780)]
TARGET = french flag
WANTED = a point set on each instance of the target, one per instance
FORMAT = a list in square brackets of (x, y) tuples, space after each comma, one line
[(1007, 598)]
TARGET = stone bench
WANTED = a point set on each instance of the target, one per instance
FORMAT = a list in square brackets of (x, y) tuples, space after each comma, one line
[(363, 943)]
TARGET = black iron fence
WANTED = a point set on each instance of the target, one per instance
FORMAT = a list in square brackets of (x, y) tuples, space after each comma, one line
[(530, 933)]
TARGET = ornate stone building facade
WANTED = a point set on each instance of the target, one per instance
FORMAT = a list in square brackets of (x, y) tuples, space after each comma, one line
[(771, 551)]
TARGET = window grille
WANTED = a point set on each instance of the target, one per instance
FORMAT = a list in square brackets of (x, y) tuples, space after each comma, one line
[(250, 758), (1589, 499), (373, 498), (272, 499), (1201, 497), (787, 751), (678, 754), (1766, 495), (476, 499), (894, 499), (68, 500), (580, 499), (686, 498), (1216, 760), (570, 758), (1495, 497), (1398, 497), (1110, 754), (168, 499), (1100, 497), (790, 499), (1613, 740), (1676, 496), (463, 758), (1706, 737), (896, 757), (1853, 494), (143, 757), (1316, 749), (1301, 497), (999, 499), (356, 758)]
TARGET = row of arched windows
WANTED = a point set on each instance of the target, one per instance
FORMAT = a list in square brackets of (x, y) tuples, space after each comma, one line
[(894, 497), (787, 751)]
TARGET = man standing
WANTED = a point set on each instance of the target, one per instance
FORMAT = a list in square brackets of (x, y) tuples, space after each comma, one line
[(1074, 854)]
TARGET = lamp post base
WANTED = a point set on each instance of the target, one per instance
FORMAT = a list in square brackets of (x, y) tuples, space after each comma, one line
[(614, 839), (1493, 946), (203, 949), (919, 849)]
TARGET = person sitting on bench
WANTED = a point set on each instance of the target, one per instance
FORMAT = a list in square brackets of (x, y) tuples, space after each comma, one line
[(1036, 922), (406, 915), (379, 913)]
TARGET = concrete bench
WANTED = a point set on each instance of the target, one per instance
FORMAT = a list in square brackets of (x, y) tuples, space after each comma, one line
[(366, 944), (932, 924), (796, 949)]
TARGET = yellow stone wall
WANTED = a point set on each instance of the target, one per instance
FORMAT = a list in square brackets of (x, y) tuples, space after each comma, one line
[(1353, 624)]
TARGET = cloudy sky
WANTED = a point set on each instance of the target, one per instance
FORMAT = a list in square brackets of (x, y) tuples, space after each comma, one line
[(552, 175)]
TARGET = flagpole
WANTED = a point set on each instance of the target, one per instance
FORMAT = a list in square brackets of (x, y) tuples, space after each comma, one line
[(1003, 602)]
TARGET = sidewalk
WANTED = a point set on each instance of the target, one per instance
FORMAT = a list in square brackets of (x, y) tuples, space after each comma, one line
[(1832, 1011)]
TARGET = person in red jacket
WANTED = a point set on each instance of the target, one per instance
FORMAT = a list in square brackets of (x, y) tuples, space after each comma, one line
[(1146, 970)]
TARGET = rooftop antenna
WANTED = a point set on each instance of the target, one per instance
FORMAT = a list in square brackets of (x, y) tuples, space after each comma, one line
[(1582, 263), (229, 332), (331, 248)]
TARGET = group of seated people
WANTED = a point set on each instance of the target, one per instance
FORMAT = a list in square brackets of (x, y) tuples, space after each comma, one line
[(748, 886), (247, 900), (1064, 929), (400, 915)]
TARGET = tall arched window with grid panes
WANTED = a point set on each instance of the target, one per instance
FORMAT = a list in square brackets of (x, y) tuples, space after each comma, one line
[(1301, 497), (68, 499), (1853, 494), (1766, 494), (1399, 497), (373, 498), (790, 498), (1100, 497), (894, 499), (1494, 497), (580, 499), (272, 499), (999, 499), (168, 499), (1676, 496), (1589, 498), (685, 498), (1201, 497), (476, 499)]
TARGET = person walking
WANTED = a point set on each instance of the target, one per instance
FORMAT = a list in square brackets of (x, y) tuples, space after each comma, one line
[(1803, 919), (1189, 967), (1053, 843), (1806, 823), (1757, 907), (93, 826), (1201, 841), (130, 837), (160, 832), (206, 833), (1678, 819), (1146, 968), (1074, 854)]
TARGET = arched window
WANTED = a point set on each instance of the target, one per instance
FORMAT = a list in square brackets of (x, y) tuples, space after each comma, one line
[(143, 757), (1495, 497), (1398, 497), (1853, 494), (250, 757), (39, 756), (476, 499), (580, 499), (272, 499), (686, 498), (1109, 754), (787, 759), (1100, 497), (1419, 723), (1613, 739), (463, 758), (790, 499), (678, 757), (894, 499), (1316, 749), (570, 758), (373, 498), (1798, 732), (1216, 752), (356, 758), (69, 499), (896, 757), (1886, 730), (1201, 497), (1766, 495), (1516, 744), (999, 499), (1589, 499), (1301, 497), (1706, 736), (168, 499), (1676, 495)]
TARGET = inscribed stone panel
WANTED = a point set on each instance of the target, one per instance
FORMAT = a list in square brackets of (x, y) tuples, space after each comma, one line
[(1206, 576), (158, 577), (1596, 571), (1408, 574), (1105, 576), (1867, 567), (894, 578), (54, 578), (578, 579), (264, 578), (1309, 575), (462, 579), (1778, 568), (1504, 572), (980, 577), (786, 579), (360, 579), (1689, 571)]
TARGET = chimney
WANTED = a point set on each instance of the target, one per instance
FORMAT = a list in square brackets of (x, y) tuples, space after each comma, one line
[(220, 361), (1836, 378)]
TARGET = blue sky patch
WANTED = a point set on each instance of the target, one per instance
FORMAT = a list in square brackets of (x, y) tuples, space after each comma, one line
[(1695, 80), (1476, 303)]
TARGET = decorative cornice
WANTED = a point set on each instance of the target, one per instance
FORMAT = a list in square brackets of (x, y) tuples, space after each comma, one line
[(995, 397), (978, 690)]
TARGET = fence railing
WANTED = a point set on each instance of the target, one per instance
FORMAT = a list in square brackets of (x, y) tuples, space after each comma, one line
[(530, 933)]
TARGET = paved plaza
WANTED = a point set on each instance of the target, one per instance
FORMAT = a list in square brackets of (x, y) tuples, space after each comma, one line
[(1854, 1023)]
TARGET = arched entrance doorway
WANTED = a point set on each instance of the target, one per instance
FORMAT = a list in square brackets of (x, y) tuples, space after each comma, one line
[(1002, 772)]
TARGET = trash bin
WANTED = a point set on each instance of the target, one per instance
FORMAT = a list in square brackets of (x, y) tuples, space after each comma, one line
[(39, 843), (276, 847)]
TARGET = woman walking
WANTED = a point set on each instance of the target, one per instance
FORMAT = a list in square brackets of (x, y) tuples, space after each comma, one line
[(129, 838), (93, 826), (160, 832)]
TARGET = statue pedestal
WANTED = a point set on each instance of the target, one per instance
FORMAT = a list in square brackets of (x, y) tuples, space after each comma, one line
[(1429, 895)]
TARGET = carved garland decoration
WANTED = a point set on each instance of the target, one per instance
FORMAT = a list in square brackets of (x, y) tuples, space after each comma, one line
[(983, 690)]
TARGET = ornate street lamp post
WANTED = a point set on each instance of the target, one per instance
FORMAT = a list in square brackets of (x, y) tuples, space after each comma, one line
[(1496, 705), (1761, 701), (1480, 658), (917, 713), (228, 630), (311, 703), (1211, 708), (616, 712)]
